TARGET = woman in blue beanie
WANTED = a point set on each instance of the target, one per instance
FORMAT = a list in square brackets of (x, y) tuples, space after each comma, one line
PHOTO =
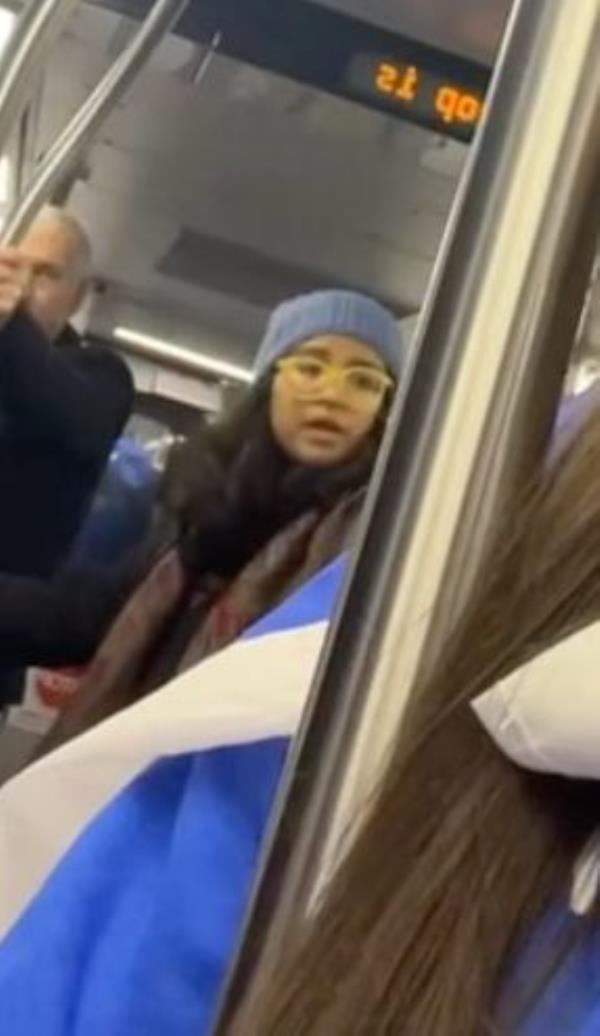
[(257, 504)]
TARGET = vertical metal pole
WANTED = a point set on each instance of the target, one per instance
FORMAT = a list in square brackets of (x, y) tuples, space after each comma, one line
[(38, 26), (84, 125), (494, 344)]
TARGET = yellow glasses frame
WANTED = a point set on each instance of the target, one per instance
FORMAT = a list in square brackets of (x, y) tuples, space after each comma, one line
[(364, 385)]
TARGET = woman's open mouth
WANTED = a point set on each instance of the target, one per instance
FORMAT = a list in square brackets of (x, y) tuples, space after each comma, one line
[(324, 427)]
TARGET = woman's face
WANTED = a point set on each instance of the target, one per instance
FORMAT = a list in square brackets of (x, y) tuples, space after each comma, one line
[(326, 397)]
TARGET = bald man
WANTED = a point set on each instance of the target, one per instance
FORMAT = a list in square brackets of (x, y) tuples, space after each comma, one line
[(61, 405)]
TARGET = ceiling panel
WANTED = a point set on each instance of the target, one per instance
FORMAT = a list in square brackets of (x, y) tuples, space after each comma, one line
[(251, 274), (249, 162)]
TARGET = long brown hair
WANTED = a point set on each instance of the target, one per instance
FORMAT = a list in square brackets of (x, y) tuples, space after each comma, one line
[(462, 855)]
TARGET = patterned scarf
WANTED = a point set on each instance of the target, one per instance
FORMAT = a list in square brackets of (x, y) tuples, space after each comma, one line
[(118, 674)]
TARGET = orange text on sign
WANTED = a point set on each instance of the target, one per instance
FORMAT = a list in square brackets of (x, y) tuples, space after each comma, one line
[(455, 105), (401, 81)]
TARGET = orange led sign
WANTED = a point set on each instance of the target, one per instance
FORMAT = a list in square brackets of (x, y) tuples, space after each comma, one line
[(431, 98)]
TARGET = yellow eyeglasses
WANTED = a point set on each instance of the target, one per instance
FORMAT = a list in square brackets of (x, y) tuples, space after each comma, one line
[(365, 386)]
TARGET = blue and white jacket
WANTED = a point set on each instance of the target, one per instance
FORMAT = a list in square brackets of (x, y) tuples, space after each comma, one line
[(126, 857)]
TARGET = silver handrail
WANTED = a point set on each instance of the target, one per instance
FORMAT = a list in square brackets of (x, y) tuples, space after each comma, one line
[(178, 358), (84, 125), (495, 336), (38, 26)]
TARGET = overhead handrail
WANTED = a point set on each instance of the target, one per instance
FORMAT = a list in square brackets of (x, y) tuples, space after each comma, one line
[(179, 358), (494, 342), (36, 29), (81, 130)]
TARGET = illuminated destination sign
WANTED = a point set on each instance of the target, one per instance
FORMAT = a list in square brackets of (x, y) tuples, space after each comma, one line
[(420, 94)]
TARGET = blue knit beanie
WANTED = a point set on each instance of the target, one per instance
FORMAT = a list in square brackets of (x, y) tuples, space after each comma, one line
[(331, 312)]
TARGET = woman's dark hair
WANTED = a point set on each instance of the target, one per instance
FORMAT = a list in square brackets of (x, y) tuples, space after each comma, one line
[(231, 488), (450, 915)]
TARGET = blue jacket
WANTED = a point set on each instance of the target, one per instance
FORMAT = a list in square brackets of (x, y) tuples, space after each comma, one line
[(131, 933), (121, 512)]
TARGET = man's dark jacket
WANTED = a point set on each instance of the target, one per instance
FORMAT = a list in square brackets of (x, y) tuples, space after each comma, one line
[(62, 406)]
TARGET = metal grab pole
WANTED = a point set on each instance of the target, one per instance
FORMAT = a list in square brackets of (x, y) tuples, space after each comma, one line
[(495, 336), (79, 133), (38, 26)]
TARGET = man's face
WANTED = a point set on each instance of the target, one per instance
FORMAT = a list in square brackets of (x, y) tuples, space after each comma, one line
[(56, 286)]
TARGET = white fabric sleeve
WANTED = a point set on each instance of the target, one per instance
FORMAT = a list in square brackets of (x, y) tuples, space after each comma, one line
[(546, 715)]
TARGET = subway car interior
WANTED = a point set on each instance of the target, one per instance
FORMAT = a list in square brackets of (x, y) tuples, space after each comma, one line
[(244, 167), (221, 160)]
